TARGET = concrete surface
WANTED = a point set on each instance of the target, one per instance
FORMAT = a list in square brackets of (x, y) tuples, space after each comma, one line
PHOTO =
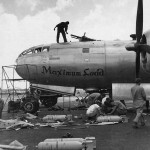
[(109, 137)]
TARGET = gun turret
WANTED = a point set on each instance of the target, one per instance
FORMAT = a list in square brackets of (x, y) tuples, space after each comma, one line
[(82, 38)]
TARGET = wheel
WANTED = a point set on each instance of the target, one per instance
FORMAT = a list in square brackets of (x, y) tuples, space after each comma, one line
[(49, 101), (30, 106)]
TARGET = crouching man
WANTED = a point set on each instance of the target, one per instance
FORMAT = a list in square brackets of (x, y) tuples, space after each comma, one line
[(93, 112), (112, 107), (118, 108)]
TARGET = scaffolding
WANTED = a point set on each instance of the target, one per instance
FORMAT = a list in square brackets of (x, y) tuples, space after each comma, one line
[(11, 87)]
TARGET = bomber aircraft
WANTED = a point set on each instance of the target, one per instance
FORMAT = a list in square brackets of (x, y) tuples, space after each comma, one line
[(89, 63)]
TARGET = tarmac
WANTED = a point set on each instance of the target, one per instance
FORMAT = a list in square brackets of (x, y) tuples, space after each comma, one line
[(119, 136)]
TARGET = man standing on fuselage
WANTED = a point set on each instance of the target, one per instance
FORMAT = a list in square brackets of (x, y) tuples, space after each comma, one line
[(62, 28)]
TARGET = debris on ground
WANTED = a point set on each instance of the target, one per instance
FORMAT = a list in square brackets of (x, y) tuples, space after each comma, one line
[(61, 125), (14, 124), (30, 116), (62, 122), (57, 124), (15, 145), (26, 116), (70, 125), (100, 124)]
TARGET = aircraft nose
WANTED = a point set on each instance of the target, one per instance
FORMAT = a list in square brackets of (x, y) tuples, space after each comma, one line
[(17, 61)]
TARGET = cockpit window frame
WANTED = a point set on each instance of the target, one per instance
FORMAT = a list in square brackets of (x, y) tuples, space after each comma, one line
[(28, 52), (44, 48), (37, 50)]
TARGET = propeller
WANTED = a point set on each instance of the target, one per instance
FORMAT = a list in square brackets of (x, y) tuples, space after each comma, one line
[(139, 30), (140, 47)]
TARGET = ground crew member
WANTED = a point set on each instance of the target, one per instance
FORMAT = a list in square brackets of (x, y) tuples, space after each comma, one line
[(94, 98), (118, 108), (139, 100), (107, 107), (1, 107), (62, 28), (103, 98), (93, 111)]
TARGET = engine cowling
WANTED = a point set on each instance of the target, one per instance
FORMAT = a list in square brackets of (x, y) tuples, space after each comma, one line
[(147, 36), (145, 56)]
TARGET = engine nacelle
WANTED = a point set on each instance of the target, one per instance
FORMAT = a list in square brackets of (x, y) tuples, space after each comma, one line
[(145, 57), (147, 35)]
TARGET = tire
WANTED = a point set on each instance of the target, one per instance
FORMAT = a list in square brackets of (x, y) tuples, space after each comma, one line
[(30, 106), (49, 101)]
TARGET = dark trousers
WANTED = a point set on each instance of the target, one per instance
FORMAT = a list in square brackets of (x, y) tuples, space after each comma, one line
[(1, 110), (63, 34)]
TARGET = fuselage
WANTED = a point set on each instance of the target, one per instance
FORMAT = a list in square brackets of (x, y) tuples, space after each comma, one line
[(95, 64)]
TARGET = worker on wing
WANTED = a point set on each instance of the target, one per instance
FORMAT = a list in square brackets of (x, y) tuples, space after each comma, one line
[(62, 28)]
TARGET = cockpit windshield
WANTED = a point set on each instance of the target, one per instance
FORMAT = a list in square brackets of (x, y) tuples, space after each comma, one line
[(35, 50)]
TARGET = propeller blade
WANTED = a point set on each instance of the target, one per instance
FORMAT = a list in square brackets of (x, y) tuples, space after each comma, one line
[(139, 21), (139, 31), (137, 64)]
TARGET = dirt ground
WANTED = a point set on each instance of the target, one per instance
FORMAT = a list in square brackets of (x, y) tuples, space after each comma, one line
[(108, 137)]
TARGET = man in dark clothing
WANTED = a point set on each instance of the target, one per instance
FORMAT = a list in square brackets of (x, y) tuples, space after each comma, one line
[(62, 28)]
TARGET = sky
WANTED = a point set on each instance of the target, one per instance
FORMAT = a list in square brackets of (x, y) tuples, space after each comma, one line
[(27, 23)]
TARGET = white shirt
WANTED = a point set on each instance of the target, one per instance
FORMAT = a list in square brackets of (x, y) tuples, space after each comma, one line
[(92, 110)]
